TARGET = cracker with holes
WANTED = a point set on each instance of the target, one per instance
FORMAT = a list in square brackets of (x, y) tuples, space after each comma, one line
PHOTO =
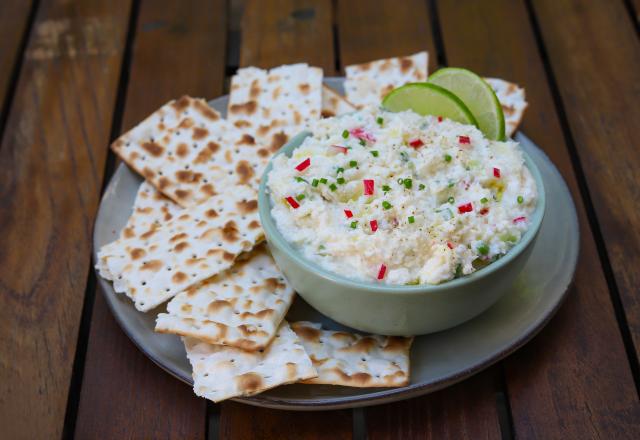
[(188, 152), (368, 83), (272, 106), (221, 372), (354, 360), (197, 244), (334, 104), (513, 102), (241, 307)]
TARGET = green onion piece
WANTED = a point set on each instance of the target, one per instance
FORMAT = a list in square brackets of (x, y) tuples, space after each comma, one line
[(386, 188), (315, 182), (321, 247), (300, 197), (520, 199), (451, 185), (362, 142), (340, 180), (412, 219), (340, 170), (451, 200), (353, 164), (374, 153), (345, 134), (408, 183), (483, 249), (379, 120), (484, 200), (386, 205), (323, 180), (421, 186), (354, 224), (447, 157), (333, 187), (300, 179), (458, 271), (400, 181), (404, 156)]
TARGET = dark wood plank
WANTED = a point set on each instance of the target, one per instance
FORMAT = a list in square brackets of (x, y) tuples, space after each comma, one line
[(279, 32), (273, 33), (51, 165), (594, 52), (573, 380), (441, 415), (371, 30), (179, 48)]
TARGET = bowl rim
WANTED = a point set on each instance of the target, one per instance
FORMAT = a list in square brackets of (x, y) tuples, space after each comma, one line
[(275, 238)]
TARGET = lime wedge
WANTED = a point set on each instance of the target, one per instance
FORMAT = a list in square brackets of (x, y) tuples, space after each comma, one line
[(428, 99), (477, 95)]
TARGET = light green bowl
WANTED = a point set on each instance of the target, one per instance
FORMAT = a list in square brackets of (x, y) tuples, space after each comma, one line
[(397, 310)]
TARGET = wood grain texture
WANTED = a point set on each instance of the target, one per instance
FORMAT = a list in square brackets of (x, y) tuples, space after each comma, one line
[(273, 33), (14, 15), (594, 53), (371, 30), (573, 380), (464, 411), (279, 32), (51, 165), (125, 395)]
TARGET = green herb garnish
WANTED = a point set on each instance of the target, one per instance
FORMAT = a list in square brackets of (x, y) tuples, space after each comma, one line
[(315, 182), (340, 180), (447, 158), (451, 200), (386, 188), (323, 180), (354, 224), (353, 164), (379, 120), (484, 200), (374, 153), (412, 219), (408, 183), (345, 134), (300, 197), (333, 187), (483, 249), (386, 205), (520, 199)]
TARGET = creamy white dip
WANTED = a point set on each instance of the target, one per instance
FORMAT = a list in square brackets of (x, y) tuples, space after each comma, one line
[(445, 200)]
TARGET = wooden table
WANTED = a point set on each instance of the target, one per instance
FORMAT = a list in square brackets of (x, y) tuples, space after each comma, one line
[(74, 74)]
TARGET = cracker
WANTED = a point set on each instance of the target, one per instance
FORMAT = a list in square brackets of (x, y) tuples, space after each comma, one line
[(334, 104), (272, 106), (354, 360), (187, 151), (199, 243), (368, 83), (512, 99), (241, 307), (221, 372)]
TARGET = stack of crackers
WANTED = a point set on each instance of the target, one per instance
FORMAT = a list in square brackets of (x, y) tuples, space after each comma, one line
[(194, 238)]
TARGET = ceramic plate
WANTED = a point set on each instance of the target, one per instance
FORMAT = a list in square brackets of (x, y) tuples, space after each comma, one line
[(437, 360)]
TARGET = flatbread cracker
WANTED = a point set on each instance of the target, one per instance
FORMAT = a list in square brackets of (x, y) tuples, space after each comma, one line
[(221, 372), (512, 99), (272, 106), (201, 242), (334, 104), (241, 307), (368, 83), (354, 360), (188, 152)]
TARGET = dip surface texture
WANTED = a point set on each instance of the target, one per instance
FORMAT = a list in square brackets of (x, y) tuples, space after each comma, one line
[(401, 198)]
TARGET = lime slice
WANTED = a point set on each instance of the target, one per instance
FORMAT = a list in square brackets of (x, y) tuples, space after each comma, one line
[(477, 95), (428, 99)]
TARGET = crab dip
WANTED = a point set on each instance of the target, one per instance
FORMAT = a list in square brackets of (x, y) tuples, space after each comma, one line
[(400, 198)]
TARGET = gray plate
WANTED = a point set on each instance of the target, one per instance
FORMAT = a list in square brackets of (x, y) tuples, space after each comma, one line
[(437, 360)]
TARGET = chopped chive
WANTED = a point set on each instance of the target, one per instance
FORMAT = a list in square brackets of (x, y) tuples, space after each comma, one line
[(451, 185), (300, 179), (323, 180), (483, 249), (354, 224), (484, 200), (333, 187), (458, 271), (421, 186), (374, 153), (386, 188), (363, 142), (404, 156), (345, 134), (447, 157), (412, 219), (520, 199), (300, 197), (379, 120), (315, 182), (408, 183), (386, 205), (400, 181), (353, 164), (451, 200), (340, 170), (340, 180)]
